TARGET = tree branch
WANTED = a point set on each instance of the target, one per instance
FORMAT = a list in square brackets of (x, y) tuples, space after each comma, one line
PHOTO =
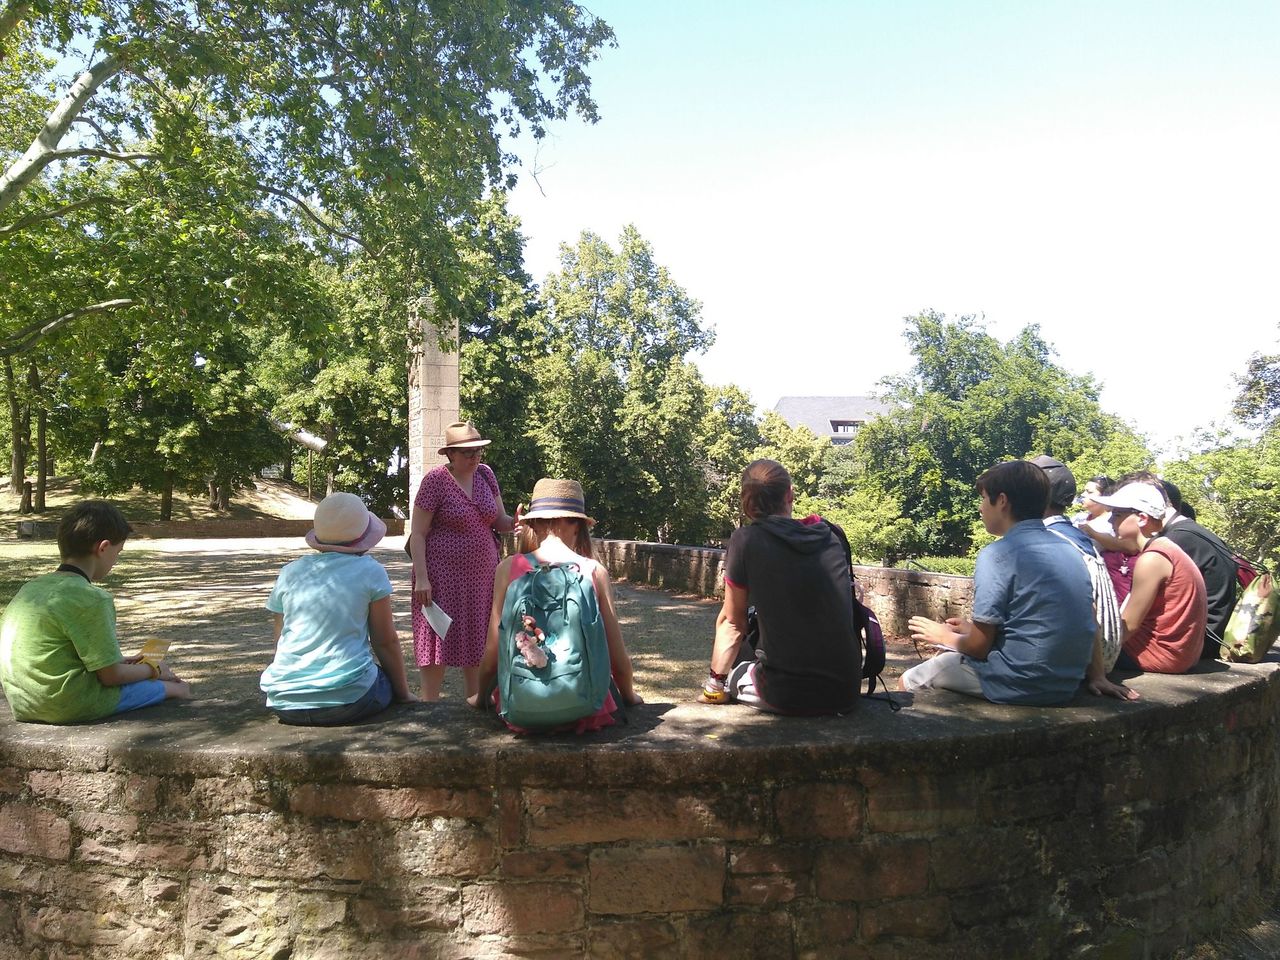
[(315, 217), (127, 157), (35, 218), (23, 340), (44, 147), (107, 138)]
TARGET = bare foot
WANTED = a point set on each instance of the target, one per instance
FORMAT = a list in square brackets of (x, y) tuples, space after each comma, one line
[(177, 690)]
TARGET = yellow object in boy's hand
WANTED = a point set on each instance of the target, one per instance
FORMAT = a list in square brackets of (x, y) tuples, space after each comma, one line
[(153, 651)]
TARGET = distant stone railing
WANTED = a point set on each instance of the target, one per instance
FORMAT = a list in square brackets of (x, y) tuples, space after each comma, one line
[(213, 528), (894, 595)]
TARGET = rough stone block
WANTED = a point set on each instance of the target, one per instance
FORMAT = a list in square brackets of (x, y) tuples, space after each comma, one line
[(872, 871), (218, 796), (29, 830), (95, 791), (625, 940), (929, 917), (919, 802), (115, 826), (772, 858), (226, 919), (12, 780), (431, 906), (627, 880), (522, 908), (826, 811), (360, 802), (441, 848), (743, 936), (545, 863), (977, 858), (558, 817), (818, 925), (761, 890)]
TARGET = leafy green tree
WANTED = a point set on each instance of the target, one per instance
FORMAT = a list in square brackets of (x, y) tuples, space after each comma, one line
[(343, 380), (968, 403), (1258, 402), (1233, 482), (799, 449), (730, 433), (380, 126), (619, 407), (502, 344)]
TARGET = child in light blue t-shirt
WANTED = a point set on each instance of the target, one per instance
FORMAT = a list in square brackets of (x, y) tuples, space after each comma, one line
[(332, 615)]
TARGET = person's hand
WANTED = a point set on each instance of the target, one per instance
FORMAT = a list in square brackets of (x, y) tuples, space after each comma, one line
[(422, 593), (474, 701), (941, 635), (1102, 687), (166, 673), (518, 528), (632, 699), (408, 697)]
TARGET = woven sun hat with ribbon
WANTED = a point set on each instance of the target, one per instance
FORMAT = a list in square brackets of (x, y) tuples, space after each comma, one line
[(557, 498)]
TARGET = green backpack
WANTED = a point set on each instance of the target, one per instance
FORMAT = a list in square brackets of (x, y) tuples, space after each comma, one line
[(574, 681), (1254, 624)]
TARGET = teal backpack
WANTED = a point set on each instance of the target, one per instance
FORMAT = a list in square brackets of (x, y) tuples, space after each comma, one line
[(575, 679)]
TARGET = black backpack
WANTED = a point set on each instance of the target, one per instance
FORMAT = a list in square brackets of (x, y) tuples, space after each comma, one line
[(867, 626)]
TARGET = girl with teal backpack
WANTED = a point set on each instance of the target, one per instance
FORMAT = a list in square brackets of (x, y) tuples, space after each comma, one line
[(554, 658)]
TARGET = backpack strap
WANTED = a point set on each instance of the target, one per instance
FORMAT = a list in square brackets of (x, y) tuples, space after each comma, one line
[(1222, 549), (1084, 553)]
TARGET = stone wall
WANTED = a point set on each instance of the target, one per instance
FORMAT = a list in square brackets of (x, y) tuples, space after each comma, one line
[(894, 595), (219, 528), (953, 829)]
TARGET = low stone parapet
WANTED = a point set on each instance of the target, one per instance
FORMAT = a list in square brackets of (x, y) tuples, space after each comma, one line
[(953, 829), (215, 528), (895, 595)]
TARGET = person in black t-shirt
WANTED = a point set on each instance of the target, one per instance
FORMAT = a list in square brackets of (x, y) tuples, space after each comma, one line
[(1215, 559), (807, 659)]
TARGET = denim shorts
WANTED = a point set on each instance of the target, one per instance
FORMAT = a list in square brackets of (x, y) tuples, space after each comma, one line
[(376, 699), (141, 693)]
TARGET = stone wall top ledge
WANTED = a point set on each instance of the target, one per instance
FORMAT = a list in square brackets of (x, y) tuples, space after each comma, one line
[(448, 743)]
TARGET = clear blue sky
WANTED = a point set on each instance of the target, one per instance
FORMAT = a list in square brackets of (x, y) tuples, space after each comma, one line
[(813, 172)]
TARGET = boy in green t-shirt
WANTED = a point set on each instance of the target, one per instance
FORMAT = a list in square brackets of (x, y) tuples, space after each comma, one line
[(60, 661)]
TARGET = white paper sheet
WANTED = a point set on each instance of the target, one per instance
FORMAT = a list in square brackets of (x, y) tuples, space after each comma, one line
[(439, 620)]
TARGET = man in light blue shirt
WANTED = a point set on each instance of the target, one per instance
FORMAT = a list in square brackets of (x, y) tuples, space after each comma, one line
[(1031, 638)]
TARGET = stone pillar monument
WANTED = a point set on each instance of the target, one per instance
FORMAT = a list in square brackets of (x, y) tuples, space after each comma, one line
[(433, 395)]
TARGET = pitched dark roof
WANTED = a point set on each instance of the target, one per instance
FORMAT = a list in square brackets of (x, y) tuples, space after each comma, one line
[(821, 414)]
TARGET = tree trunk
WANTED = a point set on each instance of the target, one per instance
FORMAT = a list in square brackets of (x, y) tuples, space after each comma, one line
[(166, 497), (286, 469), (224, 498), (213, 495), (20, 430), (25, 505), (42, 458)]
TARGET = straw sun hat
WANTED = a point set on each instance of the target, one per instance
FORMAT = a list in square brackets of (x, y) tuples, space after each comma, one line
[(557, 498), (460, 436), (344, 525)]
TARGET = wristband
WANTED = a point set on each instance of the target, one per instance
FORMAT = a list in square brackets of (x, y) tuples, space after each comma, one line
[(155, 669), (713, 687)]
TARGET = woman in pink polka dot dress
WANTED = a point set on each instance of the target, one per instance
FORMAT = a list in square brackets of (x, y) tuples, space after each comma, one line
[(451, 541)]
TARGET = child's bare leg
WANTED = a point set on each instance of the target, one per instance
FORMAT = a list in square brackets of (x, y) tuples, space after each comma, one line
[(471, 680), (432, 680)]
